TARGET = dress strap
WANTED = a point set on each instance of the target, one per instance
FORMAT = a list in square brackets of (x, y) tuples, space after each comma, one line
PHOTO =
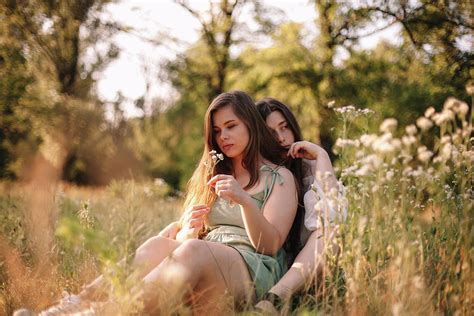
[(270, 181)]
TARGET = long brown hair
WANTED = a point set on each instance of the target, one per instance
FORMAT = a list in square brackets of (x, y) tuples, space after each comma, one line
[(265, 107), (261, 144)]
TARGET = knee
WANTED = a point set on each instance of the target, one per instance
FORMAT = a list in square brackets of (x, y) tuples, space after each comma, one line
[(192, 250), (148, 248), (192, 247)]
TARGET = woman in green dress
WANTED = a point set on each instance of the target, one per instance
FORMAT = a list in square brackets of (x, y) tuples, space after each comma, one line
[(250, 202)]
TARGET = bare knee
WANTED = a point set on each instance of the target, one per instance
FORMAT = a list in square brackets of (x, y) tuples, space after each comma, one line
[(149, 249), (192, 248)]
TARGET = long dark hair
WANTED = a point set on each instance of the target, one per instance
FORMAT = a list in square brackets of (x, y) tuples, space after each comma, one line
[(265, 107), (261, 142)]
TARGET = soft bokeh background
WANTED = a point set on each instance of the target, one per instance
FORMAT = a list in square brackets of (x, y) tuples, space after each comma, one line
[(101, 111)]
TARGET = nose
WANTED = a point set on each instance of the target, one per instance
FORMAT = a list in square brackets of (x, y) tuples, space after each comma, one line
[(224, 135), (281, 139)]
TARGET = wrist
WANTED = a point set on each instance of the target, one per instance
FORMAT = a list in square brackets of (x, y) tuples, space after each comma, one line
[(247, 201)]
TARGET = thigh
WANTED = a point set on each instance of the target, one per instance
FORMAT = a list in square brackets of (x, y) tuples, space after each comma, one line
[(225, 268)]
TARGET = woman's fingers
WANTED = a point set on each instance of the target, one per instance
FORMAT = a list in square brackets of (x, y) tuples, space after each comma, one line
[(218, 177), (199, 213), (196, 223)]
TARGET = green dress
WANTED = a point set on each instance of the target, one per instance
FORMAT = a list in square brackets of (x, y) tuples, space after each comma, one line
[(227, 227)]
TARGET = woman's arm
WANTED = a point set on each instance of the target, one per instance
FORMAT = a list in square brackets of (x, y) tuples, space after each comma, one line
[(321, 166), (267, 229)]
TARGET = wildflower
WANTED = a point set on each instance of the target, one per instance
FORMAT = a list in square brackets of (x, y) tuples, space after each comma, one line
[(408, 140), (389, 175), (382, 144), (373, 160), (364, 171), (423, 123), (367, 139), (441, 118), (367, 111), (429, 112), (396, 143), (470, 88), (411, 129), (424, 154), (216, 157), (331, 104), (388, 125), (446, 151), (346, 109)]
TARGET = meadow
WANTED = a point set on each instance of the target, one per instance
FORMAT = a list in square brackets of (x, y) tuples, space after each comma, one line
[(406, 247)]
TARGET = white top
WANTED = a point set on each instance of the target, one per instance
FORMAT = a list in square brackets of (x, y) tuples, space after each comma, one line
[(321, 209)]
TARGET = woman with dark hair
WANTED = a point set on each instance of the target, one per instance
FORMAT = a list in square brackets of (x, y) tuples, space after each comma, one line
[(250, 202), (323, 202)]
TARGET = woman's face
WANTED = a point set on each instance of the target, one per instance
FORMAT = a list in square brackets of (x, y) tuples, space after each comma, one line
[(279, 126), (231, 134)]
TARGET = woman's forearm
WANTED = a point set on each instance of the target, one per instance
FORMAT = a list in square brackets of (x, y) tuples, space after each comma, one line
[(324, 167), (262, 234)]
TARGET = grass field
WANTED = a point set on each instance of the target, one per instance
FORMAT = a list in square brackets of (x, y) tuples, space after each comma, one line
[(407, 245)]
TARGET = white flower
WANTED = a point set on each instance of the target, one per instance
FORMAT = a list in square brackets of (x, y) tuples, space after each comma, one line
[(363, 171), (340, 142), (446, 151), (423, 123), (346, 109), (373, 160), (368, 139), (445, 116), (470, 88), (429, 112), (396, 143), (382, 144), (366, 111), (411, 129), (388, 125), (424, 154), (331, 104), (408, 140)]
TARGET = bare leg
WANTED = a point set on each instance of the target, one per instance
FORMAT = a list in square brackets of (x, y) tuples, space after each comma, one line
[(150, 254), (202, 271), (307, 266)]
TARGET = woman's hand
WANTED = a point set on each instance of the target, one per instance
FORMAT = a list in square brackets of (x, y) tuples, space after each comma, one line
[(305, 149), (229, 189), (193, 222), (170, 231)]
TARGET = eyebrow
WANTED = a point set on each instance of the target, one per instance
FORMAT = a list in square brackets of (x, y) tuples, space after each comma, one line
[(225, 123), (282, 122)]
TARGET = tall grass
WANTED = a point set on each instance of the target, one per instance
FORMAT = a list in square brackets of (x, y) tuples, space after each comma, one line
[(406, 247)]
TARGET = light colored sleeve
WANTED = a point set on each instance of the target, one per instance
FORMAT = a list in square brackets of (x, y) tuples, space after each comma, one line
[(322, 210)]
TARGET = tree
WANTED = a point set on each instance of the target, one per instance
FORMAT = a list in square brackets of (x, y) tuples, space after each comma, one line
[(59, 101)]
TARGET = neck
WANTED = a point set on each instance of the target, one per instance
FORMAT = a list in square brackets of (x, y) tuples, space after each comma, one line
[(237, 166)]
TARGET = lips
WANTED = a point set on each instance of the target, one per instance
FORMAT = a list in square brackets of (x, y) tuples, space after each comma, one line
[(227, 147)]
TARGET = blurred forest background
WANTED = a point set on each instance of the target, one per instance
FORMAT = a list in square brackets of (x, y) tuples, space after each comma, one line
[(51, 115)]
